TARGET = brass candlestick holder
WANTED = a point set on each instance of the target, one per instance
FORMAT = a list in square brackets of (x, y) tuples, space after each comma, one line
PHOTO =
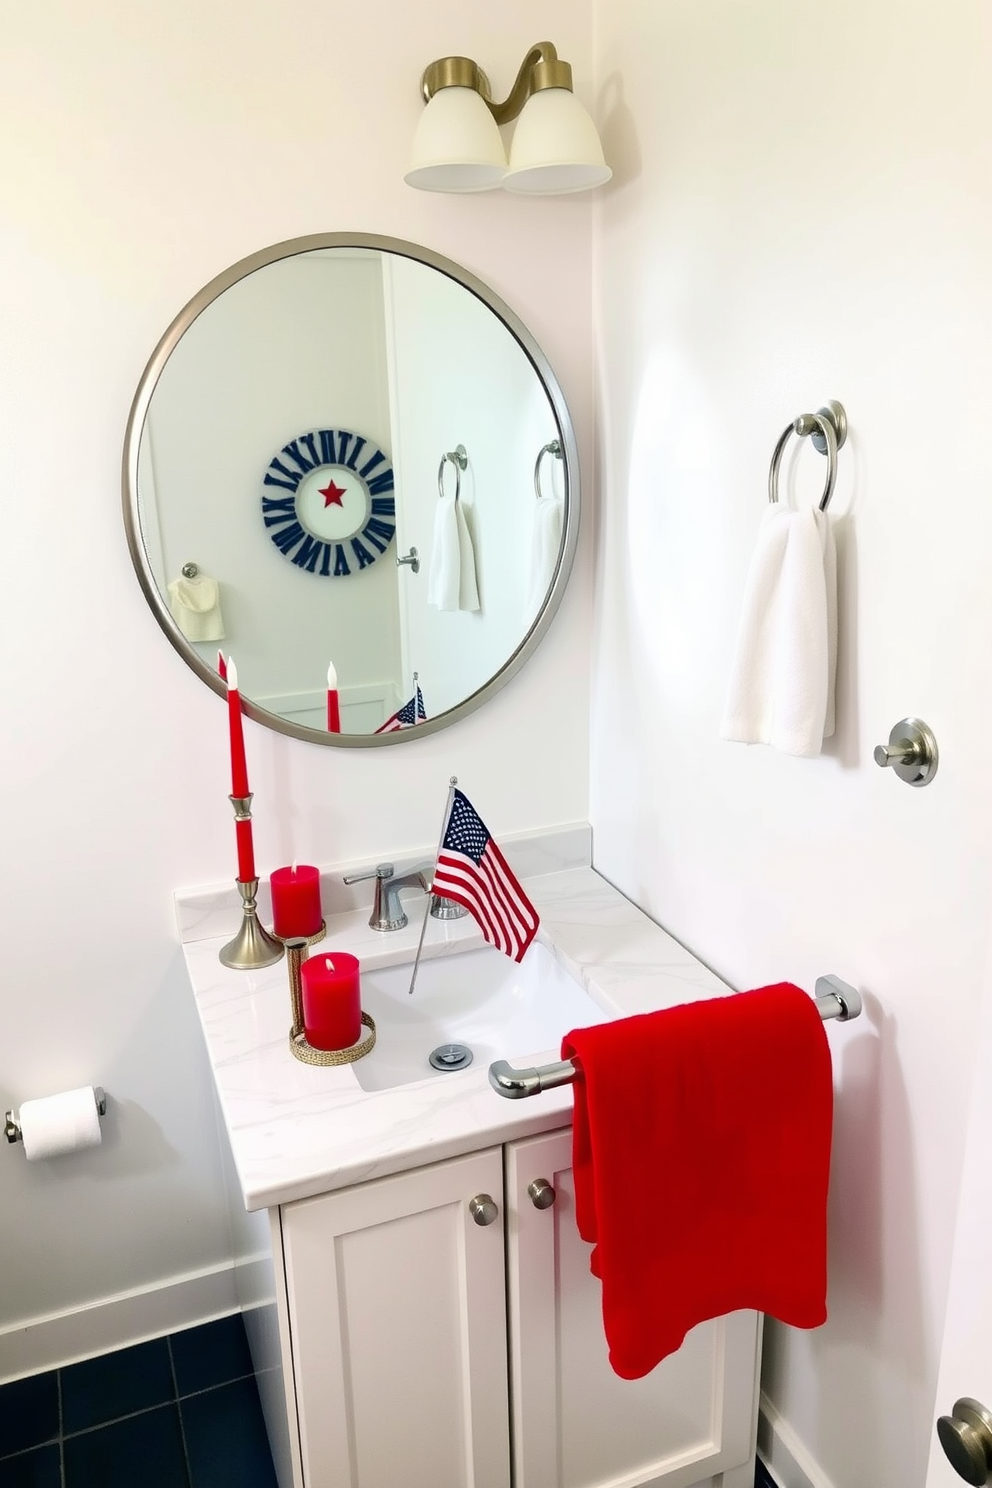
[(296, 953), (253, 946), (309, 940)]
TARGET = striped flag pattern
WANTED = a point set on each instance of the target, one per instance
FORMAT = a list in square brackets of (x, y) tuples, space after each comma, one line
[(472, 870), (410, 714)]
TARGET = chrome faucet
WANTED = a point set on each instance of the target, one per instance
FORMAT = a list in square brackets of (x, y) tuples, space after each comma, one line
[(387, 911)]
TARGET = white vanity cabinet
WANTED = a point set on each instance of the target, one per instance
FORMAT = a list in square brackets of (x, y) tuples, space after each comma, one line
[(396, 1313), (429, 1350)]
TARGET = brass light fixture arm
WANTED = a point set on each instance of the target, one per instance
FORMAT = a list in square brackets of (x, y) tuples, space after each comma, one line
[(541, 68)]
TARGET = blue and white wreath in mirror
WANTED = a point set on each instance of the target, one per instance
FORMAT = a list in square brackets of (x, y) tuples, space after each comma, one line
[(339, 515)]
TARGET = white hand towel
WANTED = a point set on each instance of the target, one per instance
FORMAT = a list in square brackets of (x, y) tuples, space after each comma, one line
[(451, 582), (195, 607), (782, 682), (544, 550)]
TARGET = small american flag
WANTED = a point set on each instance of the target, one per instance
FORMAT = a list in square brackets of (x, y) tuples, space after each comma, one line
[(472, 870), (411, 713)]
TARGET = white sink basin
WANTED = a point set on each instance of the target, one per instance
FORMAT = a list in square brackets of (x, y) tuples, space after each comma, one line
[(477, 998)]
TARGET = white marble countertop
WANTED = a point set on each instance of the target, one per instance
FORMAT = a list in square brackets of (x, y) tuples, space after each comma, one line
[(296, 1130)]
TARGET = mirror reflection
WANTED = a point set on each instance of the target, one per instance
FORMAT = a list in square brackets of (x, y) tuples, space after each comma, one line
[(347, 461)]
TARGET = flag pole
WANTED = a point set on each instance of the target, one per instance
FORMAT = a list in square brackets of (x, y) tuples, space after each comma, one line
[(452, 782)]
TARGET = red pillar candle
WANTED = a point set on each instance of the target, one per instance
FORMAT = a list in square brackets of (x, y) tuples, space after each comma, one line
[(332, 1004), (333, 703), (296, 907)]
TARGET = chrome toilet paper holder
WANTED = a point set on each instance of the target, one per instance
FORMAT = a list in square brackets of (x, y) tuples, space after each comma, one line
[(12, 1128)]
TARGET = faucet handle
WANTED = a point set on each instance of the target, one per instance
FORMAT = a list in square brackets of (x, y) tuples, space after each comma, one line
[(380, 918), (381, 870)]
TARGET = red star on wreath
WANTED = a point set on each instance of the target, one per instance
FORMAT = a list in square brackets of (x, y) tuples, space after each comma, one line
[(332, 494)]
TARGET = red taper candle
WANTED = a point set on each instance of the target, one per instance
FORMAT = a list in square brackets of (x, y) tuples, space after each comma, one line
[(221, 666), (239, 775), (239, 765), (333, 705), (246, 851), (332, 1004)]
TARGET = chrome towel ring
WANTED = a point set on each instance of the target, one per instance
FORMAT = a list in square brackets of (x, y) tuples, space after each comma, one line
[(459, 459), (828, 426), (554, 448)]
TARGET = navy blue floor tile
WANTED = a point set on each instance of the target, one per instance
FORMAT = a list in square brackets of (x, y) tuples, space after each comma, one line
[(146, 1449), (39, 1468), (29, 1412), (225, 1438), (213, 1354), (114, 1385)]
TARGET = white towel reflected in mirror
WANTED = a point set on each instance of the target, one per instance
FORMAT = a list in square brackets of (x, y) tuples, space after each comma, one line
[(194, 604), (451, 579), (545, 548)]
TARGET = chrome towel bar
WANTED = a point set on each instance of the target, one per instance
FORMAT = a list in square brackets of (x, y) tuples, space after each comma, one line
[(834, 999)]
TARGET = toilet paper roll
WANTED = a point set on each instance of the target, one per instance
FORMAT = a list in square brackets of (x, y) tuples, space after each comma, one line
[(61, 1123)]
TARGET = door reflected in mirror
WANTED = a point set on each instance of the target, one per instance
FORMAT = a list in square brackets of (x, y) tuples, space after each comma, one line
[(347, 453)]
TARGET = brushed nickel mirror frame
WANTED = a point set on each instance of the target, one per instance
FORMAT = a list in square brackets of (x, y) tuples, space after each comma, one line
[(566, 435)]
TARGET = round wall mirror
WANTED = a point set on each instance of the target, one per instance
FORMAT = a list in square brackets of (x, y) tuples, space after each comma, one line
[(347, 462)]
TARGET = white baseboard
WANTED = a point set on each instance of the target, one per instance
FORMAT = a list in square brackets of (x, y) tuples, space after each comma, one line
[(784, 1455), (37, 1344)]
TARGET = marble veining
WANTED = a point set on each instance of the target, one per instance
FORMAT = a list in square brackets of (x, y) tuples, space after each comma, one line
[(296, 1130)]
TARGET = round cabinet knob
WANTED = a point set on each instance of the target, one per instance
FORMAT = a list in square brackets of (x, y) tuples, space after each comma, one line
[(483, 1209), (966, 1437), (542, 1195)]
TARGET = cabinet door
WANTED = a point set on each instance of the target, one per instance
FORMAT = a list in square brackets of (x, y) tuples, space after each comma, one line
[(398, 1324), (575, 1423)]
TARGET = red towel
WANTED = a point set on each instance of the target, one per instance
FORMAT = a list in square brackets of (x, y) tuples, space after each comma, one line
[(701, 1150)]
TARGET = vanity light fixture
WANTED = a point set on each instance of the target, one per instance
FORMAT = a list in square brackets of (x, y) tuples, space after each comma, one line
[(458, 147)]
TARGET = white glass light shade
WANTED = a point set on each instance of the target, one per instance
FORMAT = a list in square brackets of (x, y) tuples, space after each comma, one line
[(457, 145), (555, 147)]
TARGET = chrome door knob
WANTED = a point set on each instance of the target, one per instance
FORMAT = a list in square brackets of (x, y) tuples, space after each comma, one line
[(966, 1437), (483, 1209), (542, 1195)]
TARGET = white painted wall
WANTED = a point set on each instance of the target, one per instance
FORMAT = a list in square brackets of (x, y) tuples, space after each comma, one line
[(802, 211), (146, 148)]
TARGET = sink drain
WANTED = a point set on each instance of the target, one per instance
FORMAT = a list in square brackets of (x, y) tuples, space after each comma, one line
[(451, 1057)]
